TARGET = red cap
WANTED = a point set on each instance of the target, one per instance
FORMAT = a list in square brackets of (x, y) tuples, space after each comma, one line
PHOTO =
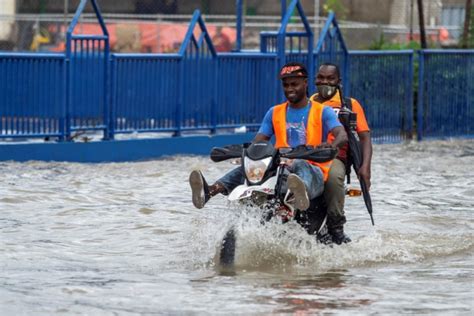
[(293, 70)]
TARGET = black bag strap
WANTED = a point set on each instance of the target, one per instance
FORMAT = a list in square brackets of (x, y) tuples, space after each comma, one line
[(348, 163), (348, 103)]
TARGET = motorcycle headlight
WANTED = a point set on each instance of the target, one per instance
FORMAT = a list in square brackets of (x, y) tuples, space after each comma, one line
[(255, 169)]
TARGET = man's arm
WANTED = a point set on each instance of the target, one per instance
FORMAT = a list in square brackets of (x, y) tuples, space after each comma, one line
[(260, 137), (332, 124), (366, 147), (265, 131), (340, 136)]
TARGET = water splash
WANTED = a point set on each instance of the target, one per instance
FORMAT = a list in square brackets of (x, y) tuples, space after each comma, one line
[(274, 246)]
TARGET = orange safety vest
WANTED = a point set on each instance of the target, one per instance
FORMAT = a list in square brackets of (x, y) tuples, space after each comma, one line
[(314, 131)]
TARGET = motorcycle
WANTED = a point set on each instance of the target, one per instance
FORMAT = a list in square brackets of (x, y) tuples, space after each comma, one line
[(266, 171)]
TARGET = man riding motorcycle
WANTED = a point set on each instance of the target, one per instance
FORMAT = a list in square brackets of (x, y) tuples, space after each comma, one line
[(298, 121)]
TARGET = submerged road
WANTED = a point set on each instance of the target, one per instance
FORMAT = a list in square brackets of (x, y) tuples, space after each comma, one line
[(124, 238)]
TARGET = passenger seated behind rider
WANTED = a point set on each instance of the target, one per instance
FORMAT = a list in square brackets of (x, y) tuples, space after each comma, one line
[(297, 121), (327, 80)]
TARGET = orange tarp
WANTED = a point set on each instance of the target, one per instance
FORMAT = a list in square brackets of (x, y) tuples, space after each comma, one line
[(146, 37)]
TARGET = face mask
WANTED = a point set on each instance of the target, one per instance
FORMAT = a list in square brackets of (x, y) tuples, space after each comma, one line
[(326, 91)]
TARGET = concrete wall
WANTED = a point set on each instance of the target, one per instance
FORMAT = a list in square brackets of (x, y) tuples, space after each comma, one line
[(454, 2), (370, 11), (117, 151)]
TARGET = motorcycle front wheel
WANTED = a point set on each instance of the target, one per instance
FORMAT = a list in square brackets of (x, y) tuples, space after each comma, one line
[(227, 251)]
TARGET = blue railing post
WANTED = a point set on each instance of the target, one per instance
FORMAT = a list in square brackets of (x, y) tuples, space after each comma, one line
[(196, 19), (281, 58), (345, 75), (180, 105), (311, 70), (282, 34), (310, 37), (111, 101), (194, 51), (238, 42), (263, 44), (214, 98), (283, 9), (409, 108), (420, 98), (67, 116), (108, 134), (89, 47), (63, 119)]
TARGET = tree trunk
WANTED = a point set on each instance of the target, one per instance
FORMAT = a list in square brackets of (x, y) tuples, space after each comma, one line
[(422, 24), (467, 22), (411, 20)]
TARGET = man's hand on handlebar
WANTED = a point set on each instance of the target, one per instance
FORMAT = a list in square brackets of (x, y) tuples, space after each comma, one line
[(325, 145)]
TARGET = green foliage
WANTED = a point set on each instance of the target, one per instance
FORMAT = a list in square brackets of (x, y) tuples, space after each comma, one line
[(337, 7), (382, 44), (470, 40)]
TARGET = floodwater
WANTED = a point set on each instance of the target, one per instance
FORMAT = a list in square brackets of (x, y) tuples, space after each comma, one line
[(124, 239)]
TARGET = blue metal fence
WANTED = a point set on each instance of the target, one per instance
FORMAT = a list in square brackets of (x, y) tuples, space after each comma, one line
[(288, 45), (46, 95), (247, 87), (87, 77), (145, 91), (198, 91), (383, 82), (32, 97), (445, 93)]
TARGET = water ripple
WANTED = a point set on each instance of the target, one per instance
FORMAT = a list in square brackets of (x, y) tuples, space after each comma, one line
[(124, 238)]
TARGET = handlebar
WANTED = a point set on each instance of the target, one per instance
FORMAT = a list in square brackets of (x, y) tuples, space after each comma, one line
[(315, 154), (219, 154)]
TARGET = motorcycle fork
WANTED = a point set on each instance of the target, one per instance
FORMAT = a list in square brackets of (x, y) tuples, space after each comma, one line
[(282, 177)]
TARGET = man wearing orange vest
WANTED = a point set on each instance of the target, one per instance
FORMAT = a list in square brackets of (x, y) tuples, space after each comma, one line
[(296, 122), (327, 80)]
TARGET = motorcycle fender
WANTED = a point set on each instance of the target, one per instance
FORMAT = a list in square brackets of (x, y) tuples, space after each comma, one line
[(244, 191)]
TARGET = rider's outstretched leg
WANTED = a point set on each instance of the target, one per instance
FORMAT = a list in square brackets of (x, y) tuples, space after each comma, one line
[(201, 191)]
